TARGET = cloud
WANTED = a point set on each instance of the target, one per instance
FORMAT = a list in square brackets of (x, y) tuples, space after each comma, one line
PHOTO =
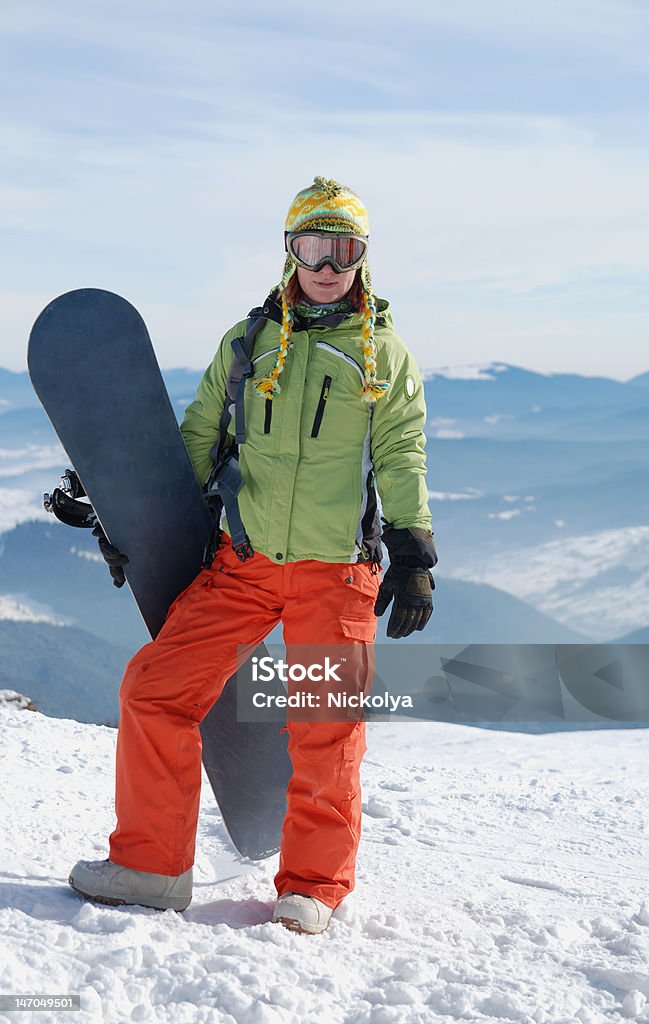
[(159, 161)]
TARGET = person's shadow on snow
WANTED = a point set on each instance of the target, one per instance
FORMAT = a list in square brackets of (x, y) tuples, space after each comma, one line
[(61, 904), (234, 913)]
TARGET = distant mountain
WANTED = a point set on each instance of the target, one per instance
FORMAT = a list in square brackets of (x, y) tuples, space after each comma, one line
[(595, 582), (523, 467), (476, 613), (16, 391), (61, 568), (490, 523), (65, 671), (638, 636), (70, 673), (519, 388), (516, 460), (25, 425), (501, 401)]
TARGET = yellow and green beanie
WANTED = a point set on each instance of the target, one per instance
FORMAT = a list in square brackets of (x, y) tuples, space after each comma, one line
[(327, 205)]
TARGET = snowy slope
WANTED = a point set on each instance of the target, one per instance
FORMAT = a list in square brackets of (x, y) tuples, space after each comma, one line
[(19, 504), (597, 583), (501, 879)]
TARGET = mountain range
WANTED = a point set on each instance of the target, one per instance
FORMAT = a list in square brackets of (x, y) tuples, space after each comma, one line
[(539, 492)]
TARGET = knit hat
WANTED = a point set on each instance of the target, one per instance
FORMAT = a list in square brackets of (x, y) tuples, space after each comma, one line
[(327, 206)]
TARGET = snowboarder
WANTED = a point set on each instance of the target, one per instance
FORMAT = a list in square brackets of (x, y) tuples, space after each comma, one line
[(333, 412)]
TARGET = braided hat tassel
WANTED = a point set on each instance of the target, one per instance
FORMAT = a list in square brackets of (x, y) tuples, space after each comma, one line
[(373, 389), (268, 386)]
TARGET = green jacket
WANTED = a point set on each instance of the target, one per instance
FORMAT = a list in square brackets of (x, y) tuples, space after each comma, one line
[(312, 454)]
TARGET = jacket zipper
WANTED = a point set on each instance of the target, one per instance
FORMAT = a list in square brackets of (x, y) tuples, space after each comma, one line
[(319, 413), (268, 412), (341, 355)]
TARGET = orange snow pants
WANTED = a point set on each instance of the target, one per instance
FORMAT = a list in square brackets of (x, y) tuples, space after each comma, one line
[(172, 682)]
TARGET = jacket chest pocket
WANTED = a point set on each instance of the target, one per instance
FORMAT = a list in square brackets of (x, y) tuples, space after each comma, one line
[(322, 404), (334, 411)]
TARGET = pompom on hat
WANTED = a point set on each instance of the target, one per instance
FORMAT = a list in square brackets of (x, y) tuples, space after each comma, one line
[(327, 205)]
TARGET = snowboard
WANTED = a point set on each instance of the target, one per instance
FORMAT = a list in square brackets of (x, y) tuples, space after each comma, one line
[(95, 372)]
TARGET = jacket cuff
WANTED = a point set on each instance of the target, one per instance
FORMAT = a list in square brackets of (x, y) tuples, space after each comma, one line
[(412, 547)]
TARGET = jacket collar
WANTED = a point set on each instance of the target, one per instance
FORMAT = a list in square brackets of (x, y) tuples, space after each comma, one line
[(272, 310)]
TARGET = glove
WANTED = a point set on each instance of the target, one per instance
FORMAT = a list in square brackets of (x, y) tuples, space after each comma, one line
[(412, 590), (113, 558), (408, 581)]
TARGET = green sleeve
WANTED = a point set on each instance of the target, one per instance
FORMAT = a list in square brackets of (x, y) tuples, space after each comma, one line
[(398, 439), (200, 425)]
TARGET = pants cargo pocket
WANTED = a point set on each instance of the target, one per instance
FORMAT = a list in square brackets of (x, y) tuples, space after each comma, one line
[(362, 630), (360, 658), (351, 755)]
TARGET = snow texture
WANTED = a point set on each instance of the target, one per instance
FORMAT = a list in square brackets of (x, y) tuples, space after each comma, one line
[(30, 457), (21, 608), (18, 506), (501, 879), (466, 371), (597, 583), (22, 467), (470, 494), (15, 700)]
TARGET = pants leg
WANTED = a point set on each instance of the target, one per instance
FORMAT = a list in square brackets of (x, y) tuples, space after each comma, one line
[(168, 688), (326, 604)]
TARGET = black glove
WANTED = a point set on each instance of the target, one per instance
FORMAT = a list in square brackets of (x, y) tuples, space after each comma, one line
[(408, 581), (113, 558), (412, 590)]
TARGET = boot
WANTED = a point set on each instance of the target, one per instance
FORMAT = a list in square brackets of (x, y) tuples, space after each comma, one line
[(106, 882), (301, 913)]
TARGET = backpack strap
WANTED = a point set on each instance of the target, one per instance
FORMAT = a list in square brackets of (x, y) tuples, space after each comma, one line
[(224, 482), (241, 368)]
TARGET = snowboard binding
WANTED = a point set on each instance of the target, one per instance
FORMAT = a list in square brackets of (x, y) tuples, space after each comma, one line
[(64, 502)]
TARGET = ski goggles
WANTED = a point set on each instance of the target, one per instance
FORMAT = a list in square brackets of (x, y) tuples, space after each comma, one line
[(312, 249)]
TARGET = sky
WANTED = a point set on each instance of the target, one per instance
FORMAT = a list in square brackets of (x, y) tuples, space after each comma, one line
[(153, 147)]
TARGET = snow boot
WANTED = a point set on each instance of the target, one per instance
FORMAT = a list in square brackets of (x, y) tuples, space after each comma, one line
[(301, 913), (107, 882)]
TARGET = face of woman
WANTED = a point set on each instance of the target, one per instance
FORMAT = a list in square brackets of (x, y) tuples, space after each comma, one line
[(325, 285)]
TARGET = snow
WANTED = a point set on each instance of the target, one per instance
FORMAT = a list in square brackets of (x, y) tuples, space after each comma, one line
[(505, 514), (89, 556), (18, 505), (12, 697), (21, 608), (468, 371), (33, 463), (497, 417), (444, 427), (470, 494), (23, 460), (441, 421), (597, 583), (501, 878), (444, 434)]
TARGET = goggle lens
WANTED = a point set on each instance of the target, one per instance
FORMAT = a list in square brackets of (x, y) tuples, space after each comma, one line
[(343, 250)]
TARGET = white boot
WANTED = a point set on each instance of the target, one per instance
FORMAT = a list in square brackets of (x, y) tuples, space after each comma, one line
[(302, 913), (106, 882)]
